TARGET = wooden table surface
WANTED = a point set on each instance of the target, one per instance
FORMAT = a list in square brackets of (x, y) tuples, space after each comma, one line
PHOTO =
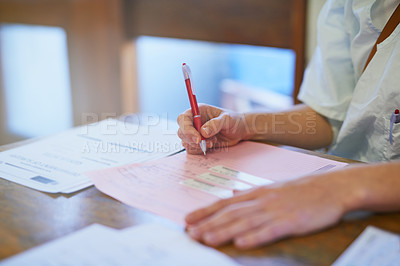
[(30, 218)]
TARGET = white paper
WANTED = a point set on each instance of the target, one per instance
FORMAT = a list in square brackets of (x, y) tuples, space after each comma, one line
[(140, 245), (154, 244), (57, 163), (372, 248)]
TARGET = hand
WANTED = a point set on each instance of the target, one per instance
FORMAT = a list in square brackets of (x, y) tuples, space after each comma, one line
[(220, 127), (267, 214)]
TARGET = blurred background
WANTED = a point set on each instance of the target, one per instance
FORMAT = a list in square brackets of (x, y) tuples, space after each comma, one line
[(64, 63)]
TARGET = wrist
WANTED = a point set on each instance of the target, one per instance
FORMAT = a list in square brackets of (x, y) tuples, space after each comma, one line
[(346, 189), (248, 132), (354, 199)]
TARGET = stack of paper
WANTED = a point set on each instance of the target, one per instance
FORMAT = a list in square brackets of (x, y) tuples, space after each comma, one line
[(57, 163), (140, 245)]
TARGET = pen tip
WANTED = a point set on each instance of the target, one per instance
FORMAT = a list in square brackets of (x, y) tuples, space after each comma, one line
[(203, 146)]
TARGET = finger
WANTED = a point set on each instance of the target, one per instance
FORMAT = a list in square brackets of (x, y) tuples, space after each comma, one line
[(208, 112), (202, 213), (215, 125), (192, 149), (187, 138), (225, 216), (185, 122), (266, 233), (184, 117), (228, 232)]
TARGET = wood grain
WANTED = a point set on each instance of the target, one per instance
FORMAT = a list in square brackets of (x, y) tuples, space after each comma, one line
[(30, 218)]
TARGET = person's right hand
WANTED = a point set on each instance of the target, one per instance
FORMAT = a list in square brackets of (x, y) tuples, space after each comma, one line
[(221, 128)]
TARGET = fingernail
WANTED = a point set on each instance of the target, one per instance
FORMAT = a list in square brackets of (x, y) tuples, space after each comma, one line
[(196, 140), (207, 131), (209, 238), (193, 232), (241, 242)]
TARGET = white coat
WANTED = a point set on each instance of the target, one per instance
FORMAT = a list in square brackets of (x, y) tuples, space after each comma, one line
[(357, 104)]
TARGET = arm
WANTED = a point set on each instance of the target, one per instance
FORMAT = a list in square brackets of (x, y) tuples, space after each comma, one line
[(300, 126), (270, 213)]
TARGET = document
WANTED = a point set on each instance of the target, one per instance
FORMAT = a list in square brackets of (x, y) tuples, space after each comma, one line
[(149, 244), (174, 186), (57, 163), (373, 247)]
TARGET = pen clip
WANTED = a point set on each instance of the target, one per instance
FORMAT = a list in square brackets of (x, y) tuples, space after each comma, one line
[(187, 74)]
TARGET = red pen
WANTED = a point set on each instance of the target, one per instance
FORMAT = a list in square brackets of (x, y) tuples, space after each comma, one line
[(187, 74)]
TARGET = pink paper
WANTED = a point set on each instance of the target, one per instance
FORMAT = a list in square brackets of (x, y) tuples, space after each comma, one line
[(156, 186)]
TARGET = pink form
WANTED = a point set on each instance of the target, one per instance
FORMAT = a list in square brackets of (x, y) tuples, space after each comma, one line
[(156, 186)]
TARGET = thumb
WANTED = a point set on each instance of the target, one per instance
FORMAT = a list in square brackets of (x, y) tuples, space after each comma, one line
[(215, 125)]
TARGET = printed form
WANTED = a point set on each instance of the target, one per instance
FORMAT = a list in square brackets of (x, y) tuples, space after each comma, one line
[(373, 247), (148, 244), (57, 163), (174, 186)]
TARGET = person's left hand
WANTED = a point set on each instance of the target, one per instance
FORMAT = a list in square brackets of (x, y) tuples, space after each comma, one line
[(267, 214)]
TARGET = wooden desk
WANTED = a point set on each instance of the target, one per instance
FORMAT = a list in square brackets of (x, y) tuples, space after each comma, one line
[(30, 218)]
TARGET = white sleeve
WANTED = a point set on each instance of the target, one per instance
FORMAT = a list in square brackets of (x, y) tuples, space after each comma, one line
[(329, 79)]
